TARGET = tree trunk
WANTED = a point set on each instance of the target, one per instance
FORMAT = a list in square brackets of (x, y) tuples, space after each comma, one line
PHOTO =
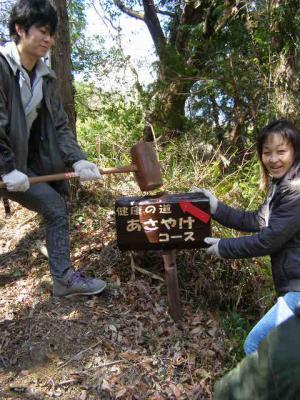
[(61, 62), (285, 75), (286, 88), (169, 110), (181, 52)]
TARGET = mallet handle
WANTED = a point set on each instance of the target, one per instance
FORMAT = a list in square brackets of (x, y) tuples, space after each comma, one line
[(71, 175), (119, 170), (48, 178)]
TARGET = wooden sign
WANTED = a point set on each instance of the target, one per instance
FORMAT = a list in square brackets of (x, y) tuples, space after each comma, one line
[(163, 222)]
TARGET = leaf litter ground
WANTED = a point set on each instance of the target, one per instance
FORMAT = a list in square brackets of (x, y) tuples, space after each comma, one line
[(121, 344)]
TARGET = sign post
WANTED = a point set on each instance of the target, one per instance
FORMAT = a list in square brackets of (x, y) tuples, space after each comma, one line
[(164, 222), (167, 223)]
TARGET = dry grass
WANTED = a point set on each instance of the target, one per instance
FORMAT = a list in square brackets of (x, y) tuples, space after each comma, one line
[(118, 345)]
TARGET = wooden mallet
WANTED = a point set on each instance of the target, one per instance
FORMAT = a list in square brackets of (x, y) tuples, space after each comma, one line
[(145, 165)]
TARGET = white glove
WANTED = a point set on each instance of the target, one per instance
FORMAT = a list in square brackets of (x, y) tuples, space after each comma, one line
[(213, 250), (213, 201), (86, 170), (16, 181)]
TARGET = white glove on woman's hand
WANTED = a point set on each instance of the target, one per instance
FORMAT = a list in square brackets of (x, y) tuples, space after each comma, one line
[(213, 201), (16, 181), (86, 170), (213, 249)]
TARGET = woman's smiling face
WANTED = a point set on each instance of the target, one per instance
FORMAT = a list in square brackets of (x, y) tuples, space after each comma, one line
[(278, 155)]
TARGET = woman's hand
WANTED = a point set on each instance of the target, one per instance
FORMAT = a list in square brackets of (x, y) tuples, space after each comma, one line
[(213, 249), (213, 201)]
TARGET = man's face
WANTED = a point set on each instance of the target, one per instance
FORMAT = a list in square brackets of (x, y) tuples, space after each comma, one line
[(36, 42)]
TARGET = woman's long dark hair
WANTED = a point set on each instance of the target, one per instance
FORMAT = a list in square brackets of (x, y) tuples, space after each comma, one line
[(288, 131)]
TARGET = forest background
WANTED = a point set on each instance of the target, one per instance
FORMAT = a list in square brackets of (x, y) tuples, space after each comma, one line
[(221, 71)]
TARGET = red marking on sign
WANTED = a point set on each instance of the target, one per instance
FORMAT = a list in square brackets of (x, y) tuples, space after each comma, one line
[(187, 206)]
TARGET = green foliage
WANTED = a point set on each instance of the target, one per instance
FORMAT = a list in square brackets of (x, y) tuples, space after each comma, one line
[(240, 289), (95, 60), (92, 56), (175, 65), (222, 60), (77, 18), (228, 78), (236, 327), (5, 7), (189, 161), (114, 120)]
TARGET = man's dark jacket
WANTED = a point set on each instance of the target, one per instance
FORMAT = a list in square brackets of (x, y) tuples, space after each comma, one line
[(55, 147), (277, 231)]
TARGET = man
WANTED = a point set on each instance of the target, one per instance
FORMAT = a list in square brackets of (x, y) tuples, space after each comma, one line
[(35, 138), (270, 373)]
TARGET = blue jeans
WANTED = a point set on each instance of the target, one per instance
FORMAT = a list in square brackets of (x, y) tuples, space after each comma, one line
[(46, 201), (268, 322)]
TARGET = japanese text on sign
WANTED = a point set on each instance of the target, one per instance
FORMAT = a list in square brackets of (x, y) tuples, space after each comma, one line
[(153, 224), (137, 210)]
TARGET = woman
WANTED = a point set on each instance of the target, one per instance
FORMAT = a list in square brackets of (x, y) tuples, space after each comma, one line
[(276, 223)]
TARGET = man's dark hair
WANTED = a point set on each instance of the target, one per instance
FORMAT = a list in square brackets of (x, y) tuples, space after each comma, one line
[(28, 13)]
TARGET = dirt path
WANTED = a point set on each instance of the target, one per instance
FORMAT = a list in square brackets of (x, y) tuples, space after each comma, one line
[(121, 344)]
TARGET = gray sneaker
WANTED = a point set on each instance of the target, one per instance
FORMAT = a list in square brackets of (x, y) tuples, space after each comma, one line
[(76, 284)]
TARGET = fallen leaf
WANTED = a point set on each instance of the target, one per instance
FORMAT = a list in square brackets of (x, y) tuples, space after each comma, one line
[(197, 331), (112, 328), (83, 395), (197, 320), (121, 393), (176, 391), (105, 386), (130, 356)]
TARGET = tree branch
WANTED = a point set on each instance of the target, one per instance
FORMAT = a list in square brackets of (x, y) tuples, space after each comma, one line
[(151, 20), (129, 11), (230, 12), (167, 13), (153, 24), (189, 16)]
